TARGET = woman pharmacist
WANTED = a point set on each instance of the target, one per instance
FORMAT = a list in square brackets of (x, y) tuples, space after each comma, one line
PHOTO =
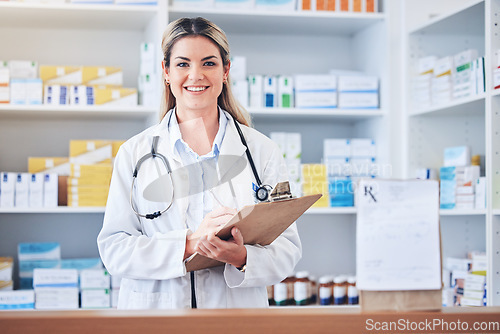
[(146, 238)]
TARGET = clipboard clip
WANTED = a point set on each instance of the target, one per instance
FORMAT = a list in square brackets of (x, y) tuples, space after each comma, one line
[(281, 192)]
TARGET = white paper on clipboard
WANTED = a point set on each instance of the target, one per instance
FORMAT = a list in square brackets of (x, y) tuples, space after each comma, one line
[(397, 236)]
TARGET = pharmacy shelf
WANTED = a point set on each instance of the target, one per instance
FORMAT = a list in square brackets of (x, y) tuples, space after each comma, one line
[(467, 19), (333, 113), (253, 21), (473, 105), (75, 16), (59, 209), (456, 212), (331, 211), (79, 112)]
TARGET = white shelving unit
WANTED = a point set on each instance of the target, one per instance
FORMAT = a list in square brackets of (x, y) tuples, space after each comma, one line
[(472, 121), (68, 34)]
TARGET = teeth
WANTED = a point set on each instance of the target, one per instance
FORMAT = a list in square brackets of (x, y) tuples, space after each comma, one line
[(195, 89)]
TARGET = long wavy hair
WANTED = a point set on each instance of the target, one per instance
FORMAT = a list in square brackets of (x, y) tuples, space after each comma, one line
[(199, 26)]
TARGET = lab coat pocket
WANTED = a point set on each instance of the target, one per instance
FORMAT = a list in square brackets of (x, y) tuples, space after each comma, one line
[(148, 300)]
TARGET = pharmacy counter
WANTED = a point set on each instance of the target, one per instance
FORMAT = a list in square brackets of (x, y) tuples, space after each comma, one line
[(274, 320)]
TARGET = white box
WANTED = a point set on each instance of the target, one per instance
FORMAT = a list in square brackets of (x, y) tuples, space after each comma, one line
[(457, 264), (496, 78), (256, 83), (479, 262), (22, 190), (456, 156), (6, 268), (8, 185), (336, 148), (26, 267), (55, 278), (358, 100), (15, 300), (465, 301), (50, 190), (270, 91), (23, 69), (57, 299), (280, 139), (480, 192), (34, 91), (426, 174), (315, 83), (240, 91), (94, 279), (426, 64), (285, 92), (146, 89), (358, 84), (443, 66), (361, 147), (56, 95), (276, 5), (96, 298), (465, 57), (36, 190), (18, 91), (38, 251), (293, 148), (313, 100), (238, 69), (81, 264), (148, 59)]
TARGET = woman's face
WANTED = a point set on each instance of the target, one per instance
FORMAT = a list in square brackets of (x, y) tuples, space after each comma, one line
[(196, 74)]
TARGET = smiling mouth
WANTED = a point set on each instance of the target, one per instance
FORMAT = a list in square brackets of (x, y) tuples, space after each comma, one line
[(196, 89)]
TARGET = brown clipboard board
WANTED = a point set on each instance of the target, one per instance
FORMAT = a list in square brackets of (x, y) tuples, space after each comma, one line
[(259, 224)]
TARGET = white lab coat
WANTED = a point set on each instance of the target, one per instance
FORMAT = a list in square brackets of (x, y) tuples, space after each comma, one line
[(148, 254)]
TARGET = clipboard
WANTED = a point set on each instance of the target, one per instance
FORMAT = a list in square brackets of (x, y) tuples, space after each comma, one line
[(259, 224)]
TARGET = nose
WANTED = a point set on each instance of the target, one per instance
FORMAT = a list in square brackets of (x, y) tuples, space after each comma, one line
[(196, 73)]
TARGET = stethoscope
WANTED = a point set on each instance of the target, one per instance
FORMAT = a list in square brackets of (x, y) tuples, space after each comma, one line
[(261, 192)]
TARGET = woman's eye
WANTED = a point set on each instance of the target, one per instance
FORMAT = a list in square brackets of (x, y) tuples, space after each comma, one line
[(182, 65), (209, 63)]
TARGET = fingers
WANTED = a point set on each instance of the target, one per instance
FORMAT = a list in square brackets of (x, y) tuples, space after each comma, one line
[(237, 236)]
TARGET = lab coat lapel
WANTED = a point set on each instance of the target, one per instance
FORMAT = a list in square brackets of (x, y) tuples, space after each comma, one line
[(231, 152)]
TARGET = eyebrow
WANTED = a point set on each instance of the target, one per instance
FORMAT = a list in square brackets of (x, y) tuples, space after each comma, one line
[(203, 59)]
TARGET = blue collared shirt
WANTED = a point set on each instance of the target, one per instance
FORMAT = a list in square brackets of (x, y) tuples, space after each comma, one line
[(202, 170)]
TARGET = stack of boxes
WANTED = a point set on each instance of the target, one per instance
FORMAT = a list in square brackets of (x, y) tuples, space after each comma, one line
[(25, 87), (4, 82), (148, 78), (464, 280), (336, 156), (314, 181), (17, 300), (358, 92), (441, 83), (6, 265), (315, 91), (421, 82), (94, 285), (56, 289), (90, 172), (33, 256), (461, 184), (291, 147), (239, 82)]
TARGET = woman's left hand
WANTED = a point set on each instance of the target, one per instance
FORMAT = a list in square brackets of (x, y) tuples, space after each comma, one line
[(231, 251)]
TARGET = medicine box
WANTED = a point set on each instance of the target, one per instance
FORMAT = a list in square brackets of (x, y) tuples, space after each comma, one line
[(50, 190), (146, 89), (7, 186), (57, 298), (22, 190), (61, 75), (147, 58), (88, 152), (480, 193), (96, 298), (6, 266), (425, 65), (94, 279), (276, 5), (82, 263), (238, 69), (36, 183), (240, 91), (256, 84), (457, 156), (285, 92), (56, 95), (336, 148), (18, 299), (23, 69), (270, 91), (316, 91), (26, 267), (115, 96), (102, 75), (39, 251), (55, 278), (4, 85), (361, 147), (59, 165)]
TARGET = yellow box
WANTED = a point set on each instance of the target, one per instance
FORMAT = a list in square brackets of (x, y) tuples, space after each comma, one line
[(61, 75), (116, 146), (98, 180), (74, 203), (115, 96), (6, 268), (59, 165), (314, 171), (97, 170), (88, 190), (314, 188), (102, 75), (90, 152), (6, 285)]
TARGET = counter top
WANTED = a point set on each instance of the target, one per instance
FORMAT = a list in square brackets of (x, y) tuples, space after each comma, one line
[(273, 320)]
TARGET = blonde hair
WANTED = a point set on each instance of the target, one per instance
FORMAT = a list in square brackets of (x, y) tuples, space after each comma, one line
[(199, 26)]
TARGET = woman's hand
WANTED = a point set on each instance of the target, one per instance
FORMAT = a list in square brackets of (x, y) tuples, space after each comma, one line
[(231, 251), (209, 226)]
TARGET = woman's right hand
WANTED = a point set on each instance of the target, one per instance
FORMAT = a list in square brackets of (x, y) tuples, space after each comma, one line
[(213, 221)]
